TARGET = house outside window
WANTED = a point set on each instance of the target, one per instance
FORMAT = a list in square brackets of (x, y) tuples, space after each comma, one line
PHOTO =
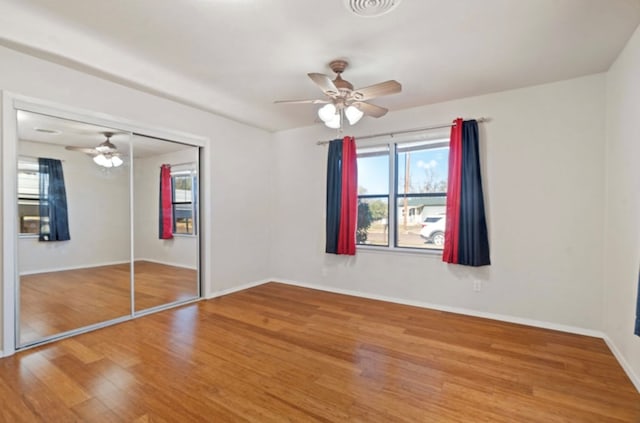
[(184, 199), (402, 191)]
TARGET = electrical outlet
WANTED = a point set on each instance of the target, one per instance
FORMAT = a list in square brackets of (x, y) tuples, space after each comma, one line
[(477, 285)]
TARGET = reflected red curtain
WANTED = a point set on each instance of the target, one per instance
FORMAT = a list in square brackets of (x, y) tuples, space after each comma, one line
[(349, 198), (451, 235), (165, 209)]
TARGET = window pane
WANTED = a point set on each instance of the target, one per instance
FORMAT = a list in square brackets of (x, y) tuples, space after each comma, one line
[(421, 222), (373, 171), (28, 196), (183, 215), (182, 188), (28, 216), (422, 168), (373, 218)]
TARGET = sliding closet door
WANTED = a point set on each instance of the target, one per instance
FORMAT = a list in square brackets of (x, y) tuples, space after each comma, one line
[(74, 243), (166, 236)]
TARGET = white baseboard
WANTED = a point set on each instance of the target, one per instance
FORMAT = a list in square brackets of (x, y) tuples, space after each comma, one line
[(457, 310), (635, 379), (242, 287), (63, 269), (111, 263)]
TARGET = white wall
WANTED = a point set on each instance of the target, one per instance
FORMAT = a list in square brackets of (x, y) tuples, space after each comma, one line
[(181, 250), (622, 218), (98, 209), (544, 145), (237, 153)]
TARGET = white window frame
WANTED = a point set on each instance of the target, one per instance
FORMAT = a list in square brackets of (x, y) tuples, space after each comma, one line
[(191, 171), (392, 145), (33, 162)]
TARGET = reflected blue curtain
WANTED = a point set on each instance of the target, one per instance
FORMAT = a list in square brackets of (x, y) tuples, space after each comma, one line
[(334, 194), (637, 330), (194, 196), (54, 220)]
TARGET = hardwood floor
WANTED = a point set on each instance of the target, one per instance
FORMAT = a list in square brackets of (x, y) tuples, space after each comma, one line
[(281, 353), (56, 302)]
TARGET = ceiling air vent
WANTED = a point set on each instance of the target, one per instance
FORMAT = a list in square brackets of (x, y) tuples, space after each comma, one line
[(370, 8)]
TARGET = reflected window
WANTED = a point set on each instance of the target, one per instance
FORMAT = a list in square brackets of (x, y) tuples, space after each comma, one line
[(184, 199), (28, 196)]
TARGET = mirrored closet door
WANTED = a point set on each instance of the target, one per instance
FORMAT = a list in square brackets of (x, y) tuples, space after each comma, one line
[(73, 224), (165, 186), (107, 226)]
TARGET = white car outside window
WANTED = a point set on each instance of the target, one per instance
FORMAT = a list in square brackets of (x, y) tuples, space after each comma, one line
[(433, 229)]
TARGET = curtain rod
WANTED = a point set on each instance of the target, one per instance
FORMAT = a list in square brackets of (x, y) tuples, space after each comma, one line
[(34, 158), (408, 131), (180, 164)]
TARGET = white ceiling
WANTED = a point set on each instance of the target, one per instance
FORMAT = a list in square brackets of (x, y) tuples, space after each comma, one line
[(64, 132), (235, 57)]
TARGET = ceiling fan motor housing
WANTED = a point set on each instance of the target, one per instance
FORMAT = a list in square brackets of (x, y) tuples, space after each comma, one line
[(338, 66)]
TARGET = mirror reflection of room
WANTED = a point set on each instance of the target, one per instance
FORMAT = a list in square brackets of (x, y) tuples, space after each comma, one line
[(73, 224), (81, 190), (165, 221)]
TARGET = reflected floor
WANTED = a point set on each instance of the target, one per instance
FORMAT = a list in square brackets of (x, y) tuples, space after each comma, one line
[(57, 302)]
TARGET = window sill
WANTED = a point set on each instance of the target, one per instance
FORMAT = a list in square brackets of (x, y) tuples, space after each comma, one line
[(28, 236), (184, 235), (401, 251)]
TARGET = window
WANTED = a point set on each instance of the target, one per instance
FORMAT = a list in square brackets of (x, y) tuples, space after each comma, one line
[(183, 201), (28, 196), (402, 190)]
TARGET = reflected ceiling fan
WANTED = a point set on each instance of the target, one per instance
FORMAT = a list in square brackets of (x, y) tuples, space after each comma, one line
[(105, 154), (341, 100)]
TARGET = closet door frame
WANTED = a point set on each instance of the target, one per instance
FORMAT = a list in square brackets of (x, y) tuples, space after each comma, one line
[(11, 103)]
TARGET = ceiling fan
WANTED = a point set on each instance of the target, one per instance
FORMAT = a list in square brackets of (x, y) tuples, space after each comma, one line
[(342, 100), (105, 154)]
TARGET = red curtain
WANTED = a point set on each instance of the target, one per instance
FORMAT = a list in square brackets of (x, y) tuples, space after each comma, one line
[(166, 209), (451, 234), (349, 198)]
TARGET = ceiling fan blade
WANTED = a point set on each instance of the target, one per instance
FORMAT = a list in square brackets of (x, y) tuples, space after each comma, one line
[(370, 109), (317, 101), (325, 83), (376, 90), (83, 150)]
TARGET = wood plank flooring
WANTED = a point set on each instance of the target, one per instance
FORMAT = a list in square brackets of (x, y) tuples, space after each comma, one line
[(56, 302), (278, 353)]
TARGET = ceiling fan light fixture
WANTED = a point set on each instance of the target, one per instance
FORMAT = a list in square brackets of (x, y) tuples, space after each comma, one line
[(116, 161), (327, 112), (101, 160), (98, 159), (353, 114), (333, 123), (108, 161)]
